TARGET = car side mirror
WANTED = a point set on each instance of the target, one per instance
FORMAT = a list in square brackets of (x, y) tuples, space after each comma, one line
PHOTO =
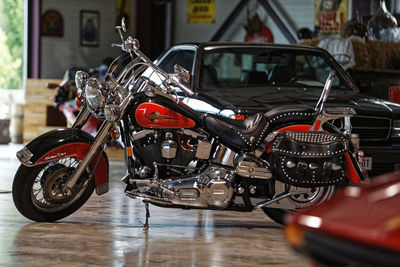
[(365, 85), (182, 73)]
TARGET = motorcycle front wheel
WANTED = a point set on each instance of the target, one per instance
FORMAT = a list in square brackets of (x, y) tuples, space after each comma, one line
[(315, 196), (38, 195)]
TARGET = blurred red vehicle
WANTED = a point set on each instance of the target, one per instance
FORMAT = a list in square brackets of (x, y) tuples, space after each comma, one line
[(359, 226)]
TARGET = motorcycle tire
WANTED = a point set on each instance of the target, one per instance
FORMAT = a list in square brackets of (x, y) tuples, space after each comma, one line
[(49, 178), (278, 215)]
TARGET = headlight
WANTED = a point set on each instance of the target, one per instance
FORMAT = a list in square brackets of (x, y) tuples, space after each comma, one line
[(93, 94), (81, 78), (396, 129)]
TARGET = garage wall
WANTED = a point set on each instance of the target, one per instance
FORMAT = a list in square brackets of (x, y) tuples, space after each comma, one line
[(296, 14), (185, 32), (61, 53)]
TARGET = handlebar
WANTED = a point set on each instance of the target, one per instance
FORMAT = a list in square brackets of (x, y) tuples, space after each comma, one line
[(131, 45)]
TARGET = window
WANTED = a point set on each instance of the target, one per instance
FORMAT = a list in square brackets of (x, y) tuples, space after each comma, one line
[(255, 67), (183, 58), (11, 43)]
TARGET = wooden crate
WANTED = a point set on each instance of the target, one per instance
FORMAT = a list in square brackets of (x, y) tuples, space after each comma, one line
[(37, 99)]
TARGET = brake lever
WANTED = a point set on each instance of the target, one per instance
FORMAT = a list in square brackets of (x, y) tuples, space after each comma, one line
[(118, 45)]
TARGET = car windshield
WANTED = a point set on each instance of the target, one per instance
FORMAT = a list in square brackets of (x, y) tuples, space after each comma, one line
[(265, 67)]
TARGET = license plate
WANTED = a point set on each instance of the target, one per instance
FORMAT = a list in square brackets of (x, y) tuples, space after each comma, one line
[(366, 164)]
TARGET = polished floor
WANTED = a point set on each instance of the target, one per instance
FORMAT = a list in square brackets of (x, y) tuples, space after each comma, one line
[(107, 231)]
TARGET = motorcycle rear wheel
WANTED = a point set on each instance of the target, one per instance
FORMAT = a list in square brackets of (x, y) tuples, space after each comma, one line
[(37, 190), (278, 215)]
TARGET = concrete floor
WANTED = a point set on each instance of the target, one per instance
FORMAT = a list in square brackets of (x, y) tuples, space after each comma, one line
[(107, 231)]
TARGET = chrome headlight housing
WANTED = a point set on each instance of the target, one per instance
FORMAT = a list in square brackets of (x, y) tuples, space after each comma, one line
[(118, 93), (94, 95), (396, 129)]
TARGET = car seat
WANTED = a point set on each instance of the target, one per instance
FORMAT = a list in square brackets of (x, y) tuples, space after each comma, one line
[(283, 72), (209, 75), (257, 77)]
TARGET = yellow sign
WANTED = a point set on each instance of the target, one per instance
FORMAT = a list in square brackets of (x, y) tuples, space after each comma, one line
[(331, 15), (201, 11)]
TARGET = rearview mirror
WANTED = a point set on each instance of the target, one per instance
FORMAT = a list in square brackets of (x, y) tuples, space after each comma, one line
[(182, 73), (123, 25)]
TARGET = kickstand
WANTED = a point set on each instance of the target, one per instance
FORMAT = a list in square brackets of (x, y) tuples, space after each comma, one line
[(146, 224)]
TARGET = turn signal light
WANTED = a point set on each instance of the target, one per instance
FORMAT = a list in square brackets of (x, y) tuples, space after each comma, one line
[(114, 133), (295, 235), (78, 102)]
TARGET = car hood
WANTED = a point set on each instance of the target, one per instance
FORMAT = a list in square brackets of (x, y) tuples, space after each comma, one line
[(252, 100), (367, 214)]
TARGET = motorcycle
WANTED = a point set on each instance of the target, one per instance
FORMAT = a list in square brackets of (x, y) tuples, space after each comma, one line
[(281, 161)]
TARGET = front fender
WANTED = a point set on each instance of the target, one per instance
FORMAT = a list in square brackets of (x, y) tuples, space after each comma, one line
[(62, 143)]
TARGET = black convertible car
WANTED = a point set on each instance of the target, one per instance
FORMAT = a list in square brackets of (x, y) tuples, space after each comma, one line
[(240, 79)]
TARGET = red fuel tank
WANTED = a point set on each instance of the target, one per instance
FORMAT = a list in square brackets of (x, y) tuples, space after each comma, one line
[(152, 115)]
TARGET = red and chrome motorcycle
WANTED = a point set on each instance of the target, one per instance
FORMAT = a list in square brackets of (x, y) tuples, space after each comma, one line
[(286, 159)]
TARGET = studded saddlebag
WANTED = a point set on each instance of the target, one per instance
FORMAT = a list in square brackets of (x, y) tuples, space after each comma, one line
[(307, 159)]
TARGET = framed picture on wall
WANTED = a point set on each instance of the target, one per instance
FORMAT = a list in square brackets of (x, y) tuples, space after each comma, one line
[(90, 28), (52, 24)]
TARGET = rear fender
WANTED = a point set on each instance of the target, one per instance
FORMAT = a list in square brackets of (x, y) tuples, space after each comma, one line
[(62, 143)]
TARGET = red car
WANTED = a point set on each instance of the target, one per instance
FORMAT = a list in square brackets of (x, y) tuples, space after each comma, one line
[(359, 226)]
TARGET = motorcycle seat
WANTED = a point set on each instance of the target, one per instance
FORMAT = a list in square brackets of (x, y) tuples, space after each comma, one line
[(285, 114), (239, 135)]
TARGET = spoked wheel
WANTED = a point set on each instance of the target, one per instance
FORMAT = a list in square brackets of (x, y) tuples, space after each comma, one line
[(38, 195), (311, 196)]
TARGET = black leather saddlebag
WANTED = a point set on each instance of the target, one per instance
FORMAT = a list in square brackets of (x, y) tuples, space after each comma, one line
[(307, 159)]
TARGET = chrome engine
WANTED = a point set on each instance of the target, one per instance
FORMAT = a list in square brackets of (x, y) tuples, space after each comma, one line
[(173, 151), (211, 188), (172, 177)]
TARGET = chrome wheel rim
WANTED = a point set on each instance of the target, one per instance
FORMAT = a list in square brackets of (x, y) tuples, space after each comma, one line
[(46, 191), (312, 196)]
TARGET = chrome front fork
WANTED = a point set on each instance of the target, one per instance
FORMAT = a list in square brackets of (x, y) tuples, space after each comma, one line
[(101, 138), (82, 118)]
